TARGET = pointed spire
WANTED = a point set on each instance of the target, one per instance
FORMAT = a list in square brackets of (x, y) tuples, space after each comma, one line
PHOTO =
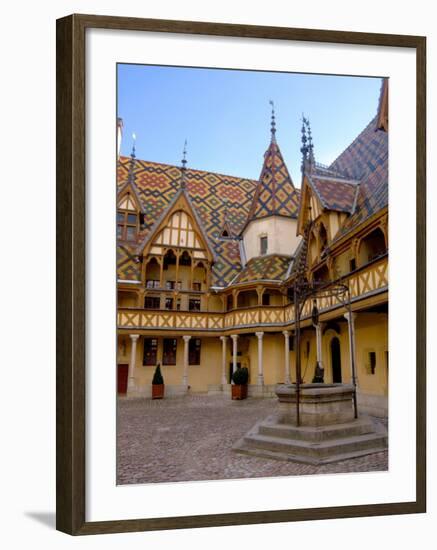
[(184, 165), (275, 194), (310, 145), (304, 148), (131, 177), (273, 122), (307, 149)]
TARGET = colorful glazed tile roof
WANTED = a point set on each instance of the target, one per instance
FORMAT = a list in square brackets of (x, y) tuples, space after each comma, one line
[(227, 202), (270, 267), (364, 155), (334, 193), (357, 181), (275, 193), (212, 195), (128, 269), (366, 159)]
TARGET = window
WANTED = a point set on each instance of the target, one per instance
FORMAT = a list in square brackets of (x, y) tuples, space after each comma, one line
[(197, 286), (194, 351), (152, 283), (127, 226), (323, 239), (266, 299), (169, 303), (352, 264), (263, 245), (173, 285), (150, 351), (372, 362), (194, 304), (372, 246), (169, 351), (151, 302)]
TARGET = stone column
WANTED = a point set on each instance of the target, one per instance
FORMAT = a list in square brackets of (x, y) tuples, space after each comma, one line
[(185, 377), (351, 330), (133, 356), (234, 353), (224, 340), (260, 335), (287, 356)]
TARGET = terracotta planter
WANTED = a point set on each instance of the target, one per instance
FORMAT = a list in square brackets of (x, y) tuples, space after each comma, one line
[(157, 391), (239, 391)]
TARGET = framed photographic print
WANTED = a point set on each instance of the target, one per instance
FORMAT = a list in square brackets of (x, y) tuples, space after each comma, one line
[(240, 265)]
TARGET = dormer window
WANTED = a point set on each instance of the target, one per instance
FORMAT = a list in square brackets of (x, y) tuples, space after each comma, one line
[(263, 242), (127, 225)]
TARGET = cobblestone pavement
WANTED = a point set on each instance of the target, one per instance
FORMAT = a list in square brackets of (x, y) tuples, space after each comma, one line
[(190, 438)]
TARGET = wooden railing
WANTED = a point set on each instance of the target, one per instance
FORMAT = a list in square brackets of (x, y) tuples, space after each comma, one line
[(364, 281)]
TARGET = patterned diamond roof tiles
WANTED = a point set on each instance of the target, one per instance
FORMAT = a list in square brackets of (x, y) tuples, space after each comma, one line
[(273, 267), (212, 195), (275, 193), (367, 160), (335, 194)]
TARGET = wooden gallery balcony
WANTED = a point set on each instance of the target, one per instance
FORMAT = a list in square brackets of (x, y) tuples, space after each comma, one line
[(367, 285)]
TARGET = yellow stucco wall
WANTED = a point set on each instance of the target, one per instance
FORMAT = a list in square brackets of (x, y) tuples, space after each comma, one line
[(199, 376), (371, 334), (126, 298)]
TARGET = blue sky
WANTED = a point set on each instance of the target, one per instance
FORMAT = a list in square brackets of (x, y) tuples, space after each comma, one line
[(225, 115)]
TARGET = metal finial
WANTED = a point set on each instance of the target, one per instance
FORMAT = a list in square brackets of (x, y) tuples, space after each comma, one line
[(184, 165), (310, 144), (131, 177), (273, 122), (134, 138), (307, 148), (184, 156), (304, 148)]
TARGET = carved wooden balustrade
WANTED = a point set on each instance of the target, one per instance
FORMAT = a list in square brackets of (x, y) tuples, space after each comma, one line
[(369, 280)]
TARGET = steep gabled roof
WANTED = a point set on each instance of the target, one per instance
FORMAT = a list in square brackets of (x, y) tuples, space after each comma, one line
[(363, 156), (181, 200), (334, 193), (275, 194), (130, 187), (212, 196), (356, 183), (366, 159)]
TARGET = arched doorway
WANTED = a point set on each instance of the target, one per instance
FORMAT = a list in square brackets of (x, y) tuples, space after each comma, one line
[(336, 360)]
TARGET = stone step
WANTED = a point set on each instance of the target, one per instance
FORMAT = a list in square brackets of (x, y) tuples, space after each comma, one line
[(242, 448), (317, 450), (320, 433)]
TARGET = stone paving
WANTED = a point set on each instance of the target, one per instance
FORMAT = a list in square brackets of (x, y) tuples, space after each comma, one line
[(190, 438)]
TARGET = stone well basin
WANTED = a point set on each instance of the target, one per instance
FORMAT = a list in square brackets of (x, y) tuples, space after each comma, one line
[(319, 404)]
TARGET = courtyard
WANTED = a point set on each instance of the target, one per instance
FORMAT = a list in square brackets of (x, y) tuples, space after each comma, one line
[(190, 438)]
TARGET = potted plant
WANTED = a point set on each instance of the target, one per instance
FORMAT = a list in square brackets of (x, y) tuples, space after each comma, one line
[(239, 387), (157, 383)]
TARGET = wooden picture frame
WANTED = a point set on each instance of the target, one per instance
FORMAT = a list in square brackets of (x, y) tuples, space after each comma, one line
[(71, 248)]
